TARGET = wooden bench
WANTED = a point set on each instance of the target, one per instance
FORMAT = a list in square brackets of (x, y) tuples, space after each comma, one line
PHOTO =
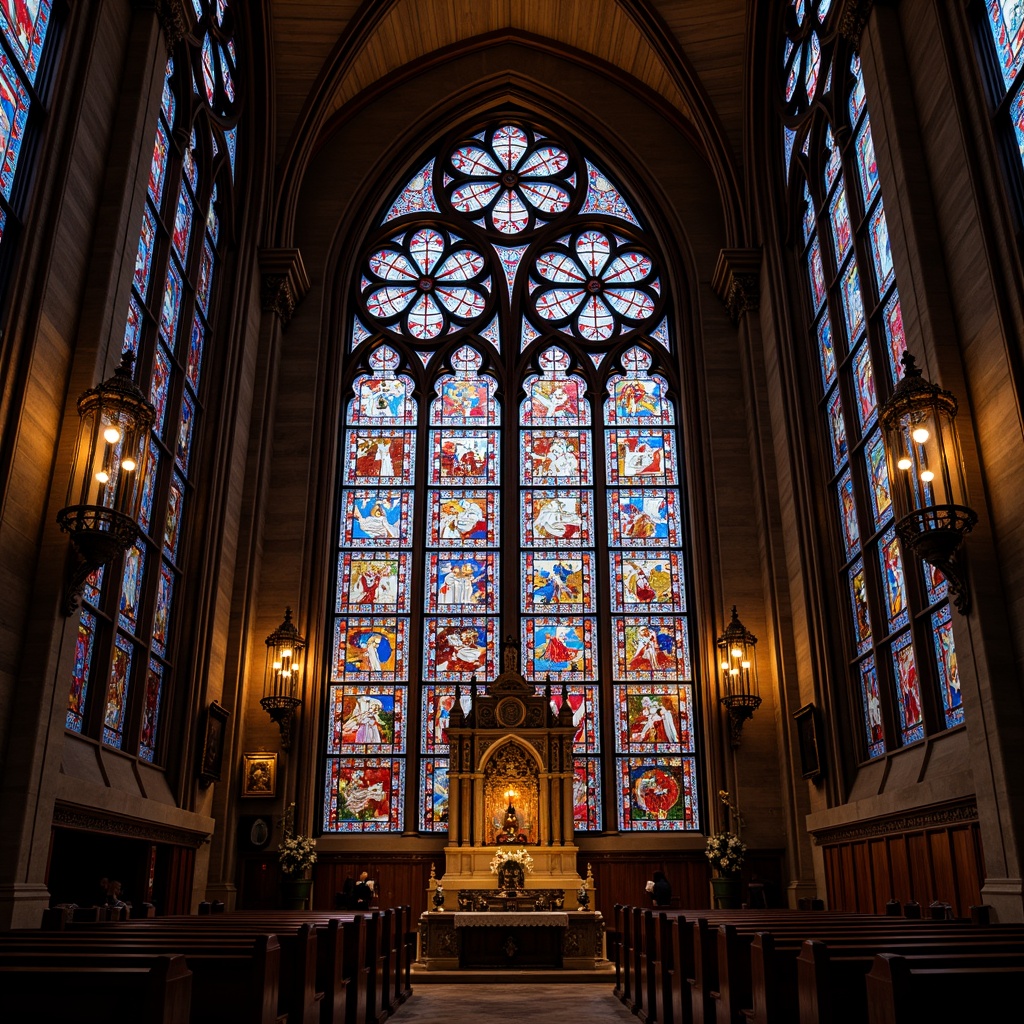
[(157, 990)]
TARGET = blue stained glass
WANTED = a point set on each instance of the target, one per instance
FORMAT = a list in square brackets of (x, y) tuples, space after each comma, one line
[(195, 352), (793, 76), (878, 479), (182, 222), (457, 648), (604, 197), (161, 618), (646, 517), (565, 648), (366, 719), (808, 215), (788, 137), (859, 606), (823, 8), (131, 588), (895, 339), (557, 582), (832, 167), (225, 75), (24, 24), (871, 708), (146, 508), (206, 265), (848, 515), (842, 233), (436, 704), (198, 8), (878, 233), (908, 689), (171, 306), (158, 387), (231, 137), (1006, 22), (1017, 120), (379, 456), (377, 518), (3, 221), (853, 304), (434, 795), (158, 165), (864, 385), (144, 256), (826, 351), (212, 220), (638, 457), (812, 65), (557, 519), (172, 524), (133, 326), (867, 167), (945, 659), (151, 710), (183, 448), (167, 100), (207, 66), (417, 196), (188, 162), (935, 583), (857, 97), (586, 785), (364, 794), (84, 643), (117, 692), (657, 794), (92, 589), (647, 581), (837, 429), (377, 583), (891, 563), (816, 273), (370, 649)]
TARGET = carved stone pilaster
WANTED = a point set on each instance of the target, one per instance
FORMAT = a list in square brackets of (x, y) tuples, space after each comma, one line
[(853, 16), (284, 281), (176, 19), (736, 281)]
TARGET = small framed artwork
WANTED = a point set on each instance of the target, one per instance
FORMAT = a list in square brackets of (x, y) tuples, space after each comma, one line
[(212, 757), (259, 774), (807, 737)]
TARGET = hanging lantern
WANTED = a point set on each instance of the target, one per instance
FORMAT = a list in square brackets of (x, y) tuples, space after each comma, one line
[(741, 697), (281, 678)]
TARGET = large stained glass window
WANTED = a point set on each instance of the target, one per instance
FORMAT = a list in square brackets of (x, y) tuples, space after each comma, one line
[(902, 681), (510, 468), (1003, 41), (25, 30), (125, 655)]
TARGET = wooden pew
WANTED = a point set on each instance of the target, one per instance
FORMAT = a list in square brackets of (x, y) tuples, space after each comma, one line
[(614, 940), (158, 991)]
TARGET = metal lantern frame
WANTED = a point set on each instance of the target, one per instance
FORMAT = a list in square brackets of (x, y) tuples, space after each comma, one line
[(737, 663), (280, 682)]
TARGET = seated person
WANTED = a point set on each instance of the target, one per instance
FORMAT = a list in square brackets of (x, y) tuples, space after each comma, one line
[(362, 892)]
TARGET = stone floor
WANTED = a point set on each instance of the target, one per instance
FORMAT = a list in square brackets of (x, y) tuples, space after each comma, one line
[(509, 1004)]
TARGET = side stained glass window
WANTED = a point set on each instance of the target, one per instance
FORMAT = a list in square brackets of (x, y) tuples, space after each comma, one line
[(511, 285), (126, 658), (900, 646), (1002, 41), (25, 30)]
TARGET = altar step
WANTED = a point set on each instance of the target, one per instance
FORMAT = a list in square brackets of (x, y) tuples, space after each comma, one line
[(513, 976)]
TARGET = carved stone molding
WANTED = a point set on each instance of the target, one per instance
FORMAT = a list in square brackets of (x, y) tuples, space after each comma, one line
[(175, 19), (91, 820), (285, 283), (853, 17), (938, 816), (736, 281)]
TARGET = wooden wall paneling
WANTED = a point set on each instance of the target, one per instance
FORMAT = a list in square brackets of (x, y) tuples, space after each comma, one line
[(900, 865), (832, 875), (864, 877), (881, 874), (921, 878), (846, 876), (969, 867), (940, 848)]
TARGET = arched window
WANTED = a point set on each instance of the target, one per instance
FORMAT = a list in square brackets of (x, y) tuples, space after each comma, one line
[(26, 41), (903, 681), (510, 468), (125, 657)]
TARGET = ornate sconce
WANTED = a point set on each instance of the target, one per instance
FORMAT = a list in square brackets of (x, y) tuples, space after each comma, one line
[(926, 474), (739, 675), (281, 679), (108, 478)]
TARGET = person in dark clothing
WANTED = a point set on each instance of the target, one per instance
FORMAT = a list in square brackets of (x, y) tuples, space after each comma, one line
[(662, 891), (363, 892)]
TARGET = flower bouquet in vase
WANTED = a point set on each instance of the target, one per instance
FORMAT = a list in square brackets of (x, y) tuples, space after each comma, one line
[(296, 855)]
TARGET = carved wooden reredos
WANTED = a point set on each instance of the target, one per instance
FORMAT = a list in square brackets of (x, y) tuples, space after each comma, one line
[(512, 742)]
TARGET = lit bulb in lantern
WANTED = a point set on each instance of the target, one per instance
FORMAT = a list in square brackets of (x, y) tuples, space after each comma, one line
[(128, 465), (927, 476), (111, 435), (904, 463), (920, 435), (102, 476)]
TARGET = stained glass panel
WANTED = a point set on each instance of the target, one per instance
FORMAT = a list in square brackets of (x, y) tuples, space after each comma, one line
[(364, 794), (172, 525), (205, 283), (436, 703), (144, 256), (416, 197), (133, 326), (648, 580), (182, 223), (456, 649), (604, 197), (837, 429), (117, 692), (878, 234), (655, 648), (641, 457), (379, 518), (586, 789), (374, 583), (158, 165), (555, 458), (131, 588), (896, 342), (949, 675), (14, 104), (24, 24), (384, 401), (557, 582), (826, 351), (866, 164), (464, 400), (842, 232), (891, 565), (183, 443), (857, 97), (562, 647), (149, 489), (463, 457), (859, 607), (161, 618), (462, 518), (653, 719), (935, 584), (151, 711), (554, 402), (92, 589), (379, 456), (159, 384), (644, 518), (812, 65), (366, 719), (853, 305), (1017, 120), (584, 702), (878, 479), (195, 352), (908, 691), (565, 518), (171, 306), (657, 794), (871, 708), (462, 582), (1006, 21), (370, 649), (816, 273), (84, 643), (434, 795), (864, 386)]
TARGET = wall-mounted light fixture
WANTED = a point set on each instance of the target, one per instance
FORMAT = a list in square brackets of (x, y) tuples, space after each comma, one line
[(281, 678), (739, 675), (108, 478), (926, 475)]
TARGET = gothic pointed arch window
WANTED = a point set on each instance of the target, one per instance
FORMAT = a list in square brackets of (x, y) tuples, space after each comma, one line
[(902, 682), (510, 468), (125, 659)]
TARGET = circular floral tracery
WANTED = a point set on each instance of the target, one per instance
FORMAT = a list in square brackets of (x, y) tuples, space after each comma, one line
[(425, 283)]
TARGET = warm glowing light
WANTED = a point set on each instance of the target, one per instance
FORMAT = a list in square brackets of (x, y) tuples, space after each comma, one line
[(920, 435), (904, 463), (286, 653), (102, 476), (725, 666), (745, 664), (736, 652), (111, 435), (128, 465), (734, 671), (277, 666), (927, 476)]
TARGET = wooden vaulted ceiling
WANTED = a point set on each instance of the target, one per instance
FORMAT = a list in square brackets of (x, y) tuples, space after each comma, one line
[(688, 52)]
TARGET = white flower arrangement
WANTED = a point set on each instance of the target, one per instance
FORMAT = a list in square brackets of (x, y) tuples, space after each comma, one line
[(520, 856), (725, 850), (296, 853)]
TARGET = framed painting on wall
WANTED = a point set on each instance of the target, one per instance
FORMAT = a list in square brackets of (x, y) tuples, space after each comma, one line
[(259, 774)]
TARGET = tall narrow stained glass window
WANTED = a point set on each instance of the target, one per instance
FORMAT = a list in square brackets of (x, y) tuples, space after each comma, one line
[(25, 31), (1002, 43), (902, 681), (510, 440), (125, 654)]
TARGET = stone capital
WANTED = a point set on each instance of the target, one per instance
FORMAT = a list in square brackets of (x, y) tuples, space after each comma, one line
[(736, 281), (284, 282), (176, 18), (853, 16)]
